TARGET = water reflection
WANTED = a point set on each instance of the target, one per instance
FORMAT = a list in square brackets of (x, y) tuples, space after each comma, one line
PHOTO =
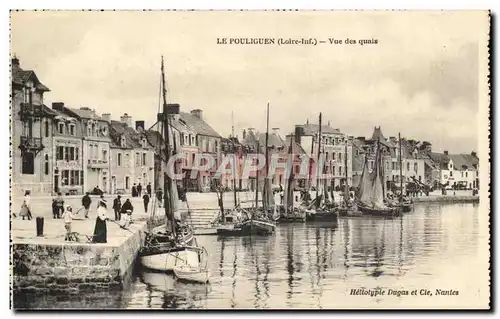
[(304, 266)]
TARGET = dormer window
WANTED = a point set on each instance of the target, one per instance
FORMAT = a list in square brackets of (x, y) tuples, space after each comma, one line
[(60, 128), (144, 143), (122, 141), (71, 129)]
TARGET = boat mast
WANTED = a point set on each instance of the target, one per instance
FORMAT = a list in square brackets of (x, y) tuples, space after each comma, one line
[(166, 179), (265, 202), (346, 174), (400, 169), (317, 163), (257, 180), (234, 159)]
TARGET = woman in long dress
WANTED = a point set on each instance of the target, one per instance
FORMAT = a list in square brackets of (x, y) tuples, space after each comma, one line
[(100, 229)]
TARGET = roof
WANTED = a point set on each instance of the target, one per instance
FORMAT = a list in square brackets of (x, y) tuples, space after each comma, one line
[(86, 113), (312, 129), (21, 77), (378, 136), (198, 125), (464, 161), (132, 137)]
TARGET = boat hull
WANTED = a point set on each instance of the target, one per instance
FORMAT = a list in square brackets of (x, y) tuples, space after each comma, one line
[(321, 216), (387, 212), (192, 274), (168, 260), (247, 228), (346, 212)]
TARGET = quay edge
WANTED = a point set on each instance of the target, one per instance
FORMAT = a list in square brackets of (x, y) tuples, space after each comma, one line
[(75, 267)]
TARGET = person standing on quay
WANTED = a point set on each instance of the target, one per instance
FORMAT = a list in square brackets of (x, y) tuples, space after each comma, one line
[(148, 189), (117, 205), (139, 189), (134, 190), (86, 201), (145, 198), (68, 218), (59, 206), (100, 229), (26, 206), (159, 196)]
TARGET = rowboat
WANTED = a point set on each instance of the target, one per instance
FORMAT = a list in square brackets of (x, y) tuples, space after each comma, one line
[(190, 273), (167, 258)]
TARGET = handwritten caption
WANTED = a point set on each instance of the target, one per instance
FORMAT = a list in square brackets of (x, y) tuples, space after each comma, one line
[(378, 292), (297, 41)]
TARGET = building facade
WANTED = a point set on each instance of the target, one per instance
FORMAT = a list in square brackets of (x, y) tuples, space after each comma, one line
[(132, 157), (95, 146), (67, 152), (31, 134), (455, 171)]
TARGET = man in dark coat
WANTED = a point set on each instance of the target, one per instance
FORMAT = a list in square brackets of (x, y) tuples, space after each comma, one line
[(86, 201), (134, 190), (117, 205), (148, 189), (139, 189), (145, 198), (127, 206), (159, 196), (59, 206)]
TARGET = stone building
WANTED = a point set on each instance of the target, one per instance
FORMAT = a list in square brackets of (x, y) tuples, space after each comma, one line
[(67, 152), (455, 171), (132, 157), (95, 146), (208, 142), (333, 149), (31, 134)]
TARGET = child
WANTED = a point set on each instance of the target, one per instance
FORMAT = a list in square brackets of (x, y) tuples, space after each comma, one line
[(125, 219), (68, 218)]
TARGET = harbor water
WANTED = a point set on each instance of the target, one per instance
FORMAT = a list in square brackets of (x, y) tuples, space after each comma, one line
[(310, 267)]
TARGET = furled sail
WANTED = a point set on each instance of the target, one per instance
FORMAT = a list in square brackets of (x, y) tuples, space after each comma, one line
[(365, 186), (377, 193)]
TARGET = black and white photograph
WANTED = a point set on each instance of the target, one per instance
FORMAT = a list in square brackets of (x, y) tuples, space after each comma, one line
[(279, 159)]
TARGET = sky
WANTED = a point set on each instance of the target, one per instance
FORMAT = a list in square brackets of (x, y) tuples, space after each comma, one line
[(420, 79)]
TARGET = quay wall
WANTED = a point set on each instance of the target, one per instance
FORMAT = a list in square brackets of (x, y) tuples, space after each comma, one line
[(73, 267), (446, 199)]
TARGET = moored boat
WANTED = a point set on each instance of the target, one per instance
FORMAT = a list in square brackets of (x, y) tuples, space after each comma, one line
[(193, 274)]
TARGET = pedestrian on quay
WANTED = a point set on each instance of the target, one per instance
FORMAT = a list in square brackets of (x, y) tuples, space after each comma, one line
[(117, 206), (100, 229), (148, 189), (86, 201), (134, 190), (127, 206), (139, 190), (68, 218), (159, 196), (26, 206), (145, 198), (59, 206)]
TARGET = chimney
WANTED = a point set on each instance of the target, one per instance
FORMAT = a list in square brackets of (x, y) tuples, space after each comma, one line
[(126, 119), (299, 132), (106, 117), (173, 108), (276, 130), (139, 126), (473, 154), (198, 113), (58, 106), (446, 153), (15, 61), (244, 134)]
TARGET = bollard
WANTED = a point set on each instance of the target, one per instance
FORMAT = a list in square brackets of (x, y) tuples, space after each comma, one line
[(39, 226)]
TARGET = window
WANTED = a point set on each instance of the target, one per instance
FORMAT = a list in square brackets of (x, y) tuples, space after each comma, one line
[(451, 173), (60, 128), (92, 131), (326, 157), (340, 170), (47, 132), (72, 129), (393, 165), (333, 156), (72, 177), (137, 159), (419, 178), (65, 178), (28, 166), (81, 177), (466, 175), (408, 166), (340, 156), (143, 159), (119, 159), (77, 153), (46, 164), (127, 182), (60, 153), (415, 167), (104, 155)]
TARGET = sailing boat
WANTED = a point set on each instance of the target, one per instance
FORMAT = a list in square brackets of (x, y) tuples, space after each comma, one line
[(289, 212), (320, 212), (348, 208), (172, 244), (371, 190)]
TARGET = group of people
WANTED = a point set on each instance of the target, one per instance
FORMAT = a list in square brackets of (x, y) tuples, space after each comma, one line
[(137, 190)]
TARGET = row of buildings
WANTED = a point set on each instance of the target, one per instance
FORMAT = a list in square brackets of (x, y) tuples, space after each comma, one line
[(60, 148)]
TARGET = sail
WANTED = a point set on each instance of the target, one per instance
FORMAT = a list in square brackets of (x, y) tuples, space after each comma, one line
[(365, 186), (377, 192), (267, 195)]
